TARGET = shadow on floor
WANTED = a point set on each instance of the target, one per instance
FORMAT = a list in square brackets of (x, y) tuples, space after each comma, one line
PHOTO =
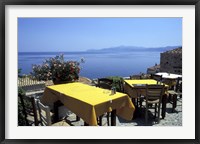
[(139, 118)]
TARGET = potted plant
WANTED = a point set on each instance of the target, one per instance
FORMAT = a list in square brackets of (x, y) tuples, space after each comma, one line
[(57, 69)]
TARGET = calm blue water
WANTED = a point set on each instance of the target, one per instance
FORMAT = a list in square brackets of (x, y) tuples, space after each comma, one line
[(97, 64)]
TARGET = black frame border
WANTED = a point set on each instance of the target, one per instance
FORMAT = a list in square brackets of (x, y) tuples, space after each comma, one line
[(3, 3)]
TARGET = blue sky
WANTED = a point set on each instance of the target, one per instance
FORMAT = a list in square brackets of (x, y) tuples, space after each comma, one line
[(79, 34)]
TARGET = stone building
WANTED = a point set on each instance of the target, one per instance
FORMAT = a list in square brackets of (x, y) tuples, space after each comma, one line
[(153, 69), (171, 61)]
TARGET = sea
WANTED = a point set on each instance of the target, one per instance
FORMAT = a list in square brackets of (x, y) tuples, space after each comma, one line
[(97, 64)]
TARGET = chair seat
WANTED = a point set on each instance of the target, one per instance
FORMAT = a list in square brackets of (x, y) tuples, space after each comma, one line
[(172, 92), (60, 123), (153, 101), (172, 98), (30, 120)]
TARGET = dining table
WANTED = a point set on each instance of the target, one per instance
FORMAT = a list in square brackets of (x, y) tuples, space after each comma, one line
[(137, 88), (169, 78), (166, 75), (89, 102)]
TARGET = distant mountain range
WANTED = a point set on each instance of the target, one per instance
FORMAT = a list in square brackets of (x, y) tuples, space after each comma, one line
[(133, 49)]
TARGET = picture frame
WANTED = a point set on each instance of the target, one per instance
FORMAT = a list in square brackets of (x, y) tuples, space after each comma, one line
[(196, 3)]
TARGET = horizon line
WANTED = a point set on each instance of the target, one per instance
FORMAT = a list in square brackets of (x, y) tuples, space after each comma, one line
[(90, 50)]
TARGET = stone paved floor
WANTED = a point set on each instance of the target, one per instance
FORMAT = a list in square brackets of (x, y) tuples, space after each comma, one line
[(171, 119)]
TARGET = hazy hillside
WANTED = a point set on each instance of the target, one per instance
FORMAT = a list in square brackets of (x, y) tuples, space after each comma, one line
[(133, 48)]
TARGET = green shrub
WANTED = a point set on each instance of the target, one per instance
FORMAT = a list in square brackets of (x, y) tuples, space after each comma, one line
[(117, 82), (21, 116)]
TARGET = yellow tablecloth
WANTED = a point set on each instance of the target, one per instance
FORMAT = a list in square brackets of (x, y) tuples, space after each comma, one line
[(134, 91), (89, 102)]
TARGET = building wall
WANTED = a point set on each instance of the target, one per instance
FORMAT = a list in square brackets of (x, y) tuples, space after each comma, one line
[(171, 62)]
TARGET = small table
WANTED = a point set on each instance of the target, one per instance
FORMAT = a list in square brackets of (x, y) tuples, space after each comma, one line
[(169, 78), (173, 81), (89, 102), (168, 75), (134, 88)]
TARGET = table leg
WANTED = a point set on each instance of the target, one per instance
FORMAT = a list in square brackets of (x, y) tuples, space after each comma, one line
[(174, 102), (57, 104), (164, 102), (137, 109), (77, 118), (100, 120), (113, 118), (134, 101), (85, 124)]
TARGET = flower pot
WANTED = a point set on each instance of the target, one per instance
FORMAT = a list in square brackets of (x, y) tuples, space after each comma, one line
[(56, 82)]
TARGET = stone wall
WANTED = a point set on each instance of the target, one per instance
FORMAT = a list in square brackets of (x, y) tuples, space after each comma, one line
[(171, 61), (154, 69)]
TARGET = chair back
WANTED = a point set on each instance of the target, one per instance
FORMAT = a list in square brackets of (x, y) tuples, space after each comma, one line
[(154, 92), (158, 78), (105, 83), (132, 77), (29, 109), (120, 84), (44, 113), (154, 95), (178, 87)]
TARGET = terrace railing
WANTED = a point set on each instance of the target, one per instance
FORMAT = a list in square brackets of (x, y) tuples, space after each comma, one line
[(31, 86)]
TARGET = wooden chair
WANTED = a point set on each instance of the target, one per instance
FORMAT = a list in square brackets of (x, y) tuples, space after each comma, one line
[(178, 88), (120, 83), (29, 110), (132, 77), (104, 83), (154, 95), (45, 116), (174, 93), (158, 78), (145, 76)]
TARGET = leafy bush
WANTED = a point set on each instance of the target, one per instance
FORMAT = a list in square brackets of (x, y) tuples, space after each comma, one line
[(57, 69), (117, 82), (21, 116)]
